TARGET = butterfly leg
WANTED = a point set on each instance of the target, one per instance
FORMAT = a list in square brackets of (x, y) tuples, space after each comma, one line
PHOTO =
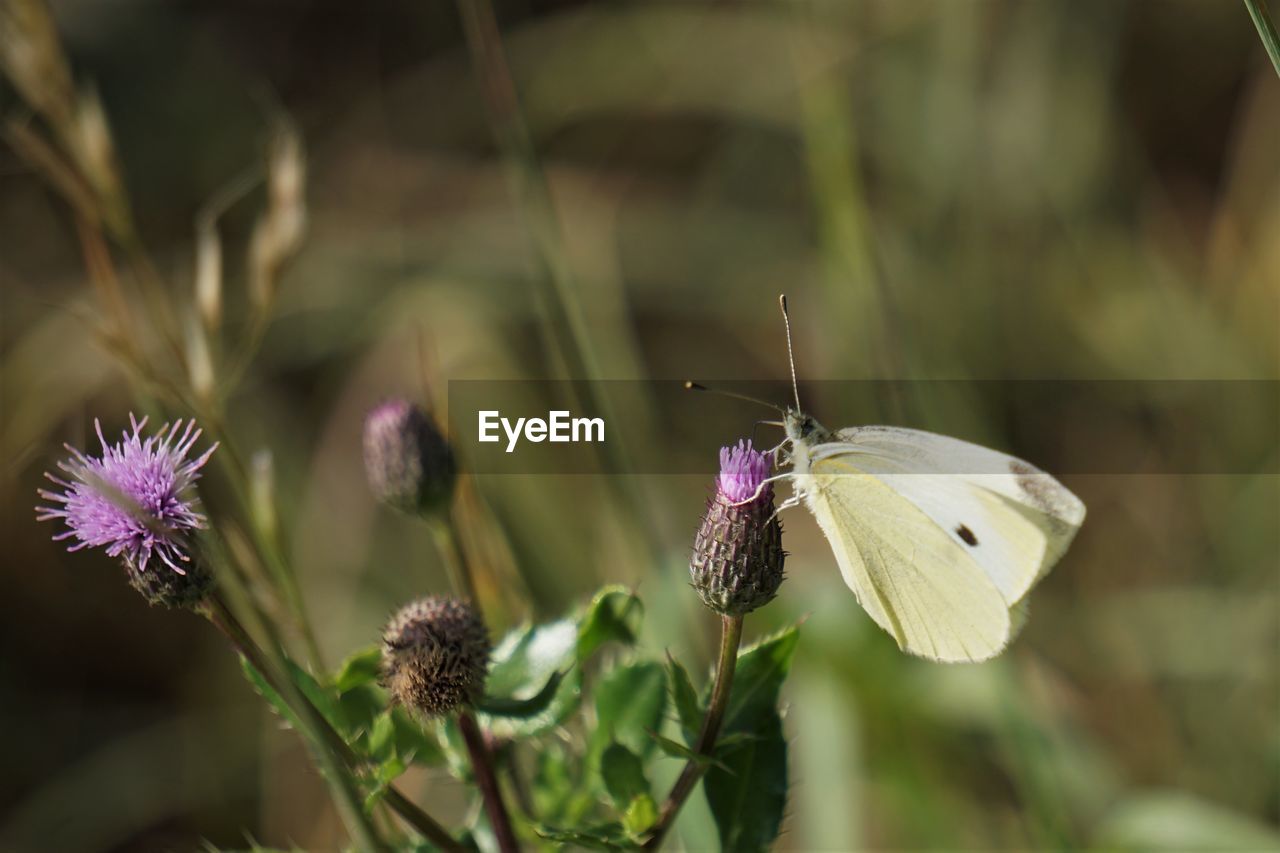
[(779, 458), (790, 502), (760, 488)]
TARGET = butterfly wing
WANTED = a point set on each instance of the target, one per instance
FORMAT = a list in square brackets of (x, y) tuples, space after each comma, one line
[(1014, 520), (906, 571)]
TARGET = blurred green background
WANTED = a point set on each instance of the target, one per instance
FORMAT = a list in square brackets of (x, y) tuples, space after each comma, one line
[(945, 189)]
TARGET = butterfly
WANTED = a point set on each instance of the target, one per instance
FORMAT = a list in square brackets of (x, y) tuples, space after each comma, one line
[(940, 540)]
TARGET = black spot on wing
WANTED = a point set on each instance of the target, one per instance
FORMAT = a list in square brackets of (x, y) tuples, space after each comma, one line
[(967, 535)]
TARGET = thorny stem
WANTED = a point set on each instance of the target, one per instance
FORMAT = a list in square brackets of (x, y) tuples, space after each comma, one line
[(220, 615), (487, 780), (730, 637)]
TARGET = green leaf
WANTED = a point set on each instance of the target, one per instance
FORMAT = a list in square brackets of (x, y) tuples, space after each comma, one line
[(267, 692), (536, 671), (623, 774), (758, 676), (640, 816), (523, 708), (748, 794), (361, 706), (605, 836), (630, 701), (613, 615), (382, 738), (679, 750), (323, 698), (565, 698), (383, 776), (388, 736), (527, 658), (558, 794), (747, 791), (361, 668), (685, 699), (455, 749), (733, 739), (415, 744)]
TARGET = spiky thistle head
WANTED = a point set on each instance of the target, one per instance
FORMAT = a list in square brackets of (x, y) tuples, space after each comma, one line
[(409, 462), (737, 562), (435, 655), (137, 501)]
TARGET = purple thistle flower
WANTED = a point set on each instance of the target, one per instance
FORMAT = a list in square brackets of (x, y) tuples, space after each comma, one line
[(742, 470), (136, 501), (737, 560)]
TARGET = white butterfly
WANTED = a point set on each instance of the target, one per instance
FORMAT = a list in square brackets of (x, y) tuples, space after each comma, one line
[(939, 539)]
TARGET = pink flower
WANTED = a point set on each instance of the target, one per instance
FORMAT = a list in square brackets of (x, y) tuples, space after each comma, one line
[(742, 470), (137, 500)]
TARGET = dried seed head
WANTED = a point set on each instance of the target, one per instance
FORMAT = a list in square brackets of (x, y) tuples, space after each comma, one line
[(435, 655), (200, 369), (31, 57), (409, 463), (280, 229), (95, 152), (737, 563), (208, 274)]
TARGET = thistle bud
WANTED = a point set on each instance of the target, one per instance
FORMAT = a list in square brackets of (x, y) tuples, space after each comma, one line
[(409, 463), (170, 589), (435, 655), (737, 554)]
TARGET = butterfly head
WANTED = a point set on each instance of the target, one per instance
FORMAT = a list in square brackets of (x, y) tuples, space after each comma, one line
[(803, 429)]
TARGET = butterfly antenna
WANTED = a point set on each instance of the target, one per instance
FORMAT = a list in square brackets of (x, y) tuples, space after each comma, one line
[(791, 356), (697, 386)]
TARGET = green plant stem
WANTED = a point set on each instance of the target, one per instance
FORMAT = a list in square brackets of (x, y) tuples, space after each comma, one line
[(568, 330), (283, 583), (444, 529), (487, 781), (1261, 16), (100, 265), (563, 321), (336, 769), (328, 741), (730, 638)]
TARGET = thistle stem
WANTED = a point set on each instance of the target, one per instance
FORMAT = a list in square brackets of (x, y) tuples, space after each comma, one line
[(332, 761), (457, 564), (331, 743), (280, 581), (730, 638), (487, 780)]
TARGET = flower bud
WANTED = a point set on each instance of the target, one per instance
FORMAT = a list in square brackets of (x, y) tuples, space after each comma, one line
[(409, 463), (170, 589), (435, 655), (737, 554)]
